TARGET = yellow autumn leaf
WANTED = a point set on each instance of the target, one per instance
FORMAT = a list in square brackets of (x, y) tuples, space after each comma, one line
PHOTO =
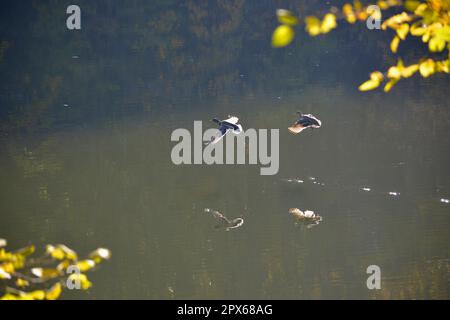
[(369, 85), (394, 44), (46, 273), (383, 5), (426, 36), (81, 279), (349, 14), (286, 17), (417, 30), (395, 21), (443, 66), (61, 252), (312, 25), (63, 265), (394, 73), (410, 70), (421, 9), (5, 256), (376, 76), (389, 85), (8, 267), (100, 254), (54, 292), (328, 23), (411, 5), (444, 32), (85, 265), (34, 295), (4, 274), (282, 36), (427, 68), (403, 30), (436, 44), (357, 4), (22, 283)]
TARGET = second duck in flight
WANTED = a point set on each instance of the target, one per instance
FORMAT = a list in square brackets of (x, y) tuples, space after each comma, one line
[(305, 121)]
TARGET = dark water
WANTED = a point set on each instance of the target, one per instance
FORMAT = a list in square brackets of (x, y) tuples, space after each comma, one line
[(86, 118)]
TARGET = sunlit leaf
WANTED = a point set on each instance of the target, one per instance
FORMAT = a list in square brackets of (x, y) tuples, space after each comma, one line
[(394, 44), (85, 265), (46, 273), (54, 292), (427, 68), (369, 85), (61, 252), (313, 25), (282, 36), (4, 274), (410, 70), (396, 21), (421, 9), (417, 30), (287, 17), (426, 36), (100, 254), (328, 23), (411, 5), (389, 85), (80, 278), (26, 251), (349, 14), (63, 265), (436, 44), (403, 30), (443, 66), (35, 295), (394, 73), (444, 32), (376, 76), (5, 256), (21, 283), (357, 4)]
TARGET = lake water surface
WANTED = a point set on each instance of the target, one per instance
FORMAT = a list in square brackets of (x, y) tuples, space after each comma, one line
[(85, 154)]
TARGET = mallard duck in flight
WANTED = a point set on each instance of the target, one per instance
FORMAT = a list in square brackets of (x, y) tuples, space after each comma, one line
[(305, 121), (224, 221), (230, 124)]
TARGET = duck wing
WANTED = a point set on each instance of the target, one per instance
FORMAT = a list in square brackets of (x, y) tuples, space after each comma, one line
[(296, 128), (232, 120), (230, 125), (308, 120)]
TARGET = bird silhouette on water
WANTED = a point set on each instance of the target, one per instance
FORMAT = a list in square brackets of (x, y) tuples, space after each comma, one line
[(223, 221)]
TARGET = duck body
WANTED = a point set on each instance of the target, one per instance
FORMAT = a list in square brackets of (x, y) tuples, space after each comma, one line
[(305, 121), (306, 215), (230, 124)]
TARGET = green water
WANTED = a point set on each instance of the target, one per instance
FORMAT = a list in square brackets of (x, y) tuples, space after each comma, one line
[(86, 119)]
